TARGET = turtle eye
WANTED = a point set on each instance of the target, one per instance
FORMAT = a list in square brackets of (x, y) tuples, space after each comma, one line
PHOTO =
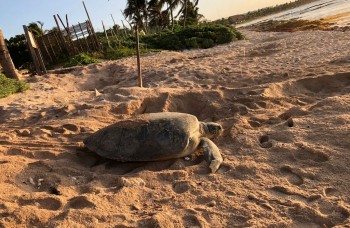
[(214, 128)]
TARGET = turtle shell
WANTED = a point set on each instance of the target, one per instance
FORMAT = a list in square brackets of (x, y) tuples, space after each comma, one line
[(147, 137)]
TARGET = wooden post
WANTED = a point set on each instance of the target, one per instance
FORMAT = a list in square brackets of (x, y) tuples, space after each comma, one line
[(93, 41), (35, 52), (42, 42), (124, 29), (31, 49), (82, 32), (92, 28), (78, 40), (49, 41), (115, 28), (76, 50), (68, 34), (138, 55), (104, 29), (126, 19), (6, 61), (57, 41), (113, 34), (61, 36)]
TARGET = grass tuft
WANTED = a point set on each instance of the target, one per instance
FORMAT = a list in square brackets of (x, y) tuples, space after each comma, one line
[(10, 86), (80, 59)]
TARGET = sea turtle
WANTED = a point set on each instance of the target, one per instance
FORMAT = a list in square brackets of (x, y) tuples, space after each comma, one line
[(157, 136)]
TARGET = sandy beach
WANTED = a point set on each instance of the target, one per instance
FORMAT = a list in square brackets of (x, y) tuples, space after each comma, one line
[(283, 100)]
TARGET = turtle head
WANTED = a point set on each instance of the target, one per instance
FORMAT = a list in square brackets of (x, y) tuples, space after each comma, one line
[(211, 130)]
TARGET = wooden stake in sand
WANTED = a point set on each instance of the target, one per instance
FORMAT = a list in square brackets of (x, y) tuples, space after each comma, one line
[(104, 29), (92, 28), (138, 55), (6, 61), (35, 52)]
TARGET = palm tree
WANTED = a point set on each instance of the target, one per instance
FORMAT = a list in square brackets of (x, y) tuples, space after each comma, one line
[(136, 11), (189, 8), (157, 16), (156, 6), (41, 24), (35, 29), (172, 5)]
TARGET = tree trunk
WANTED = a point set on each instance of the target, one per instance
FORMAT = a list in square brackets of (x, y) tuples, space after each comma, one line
[(185, 15), (139, 73), (172, 20), (6, 61)]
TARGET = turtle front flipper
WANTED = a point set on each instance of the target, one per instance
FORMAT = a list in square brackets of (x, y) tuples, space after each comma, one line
[(211, 154)]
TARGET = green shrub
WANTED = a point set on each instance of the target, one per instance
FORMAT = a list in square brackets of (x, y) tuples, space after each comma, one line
[(121, 52), (196, 36), (9, 86), (80, 59), (192, 42)]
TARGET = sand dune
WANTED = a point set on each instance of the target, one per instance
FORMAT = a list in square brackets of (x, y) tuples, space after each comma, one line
[(282, 98)]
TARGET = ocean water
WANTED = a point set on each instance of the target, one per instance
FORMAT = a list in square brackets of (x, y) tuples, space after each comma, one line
[(316, 10)]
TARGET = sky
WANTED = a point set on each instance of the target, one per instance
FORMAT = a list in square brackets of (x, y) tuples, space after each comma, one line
[(16, 13)]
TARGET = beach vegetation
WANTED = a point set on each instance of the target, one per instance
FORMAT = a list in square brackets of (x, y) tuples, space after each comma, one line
[(80, 60), (9, 86)]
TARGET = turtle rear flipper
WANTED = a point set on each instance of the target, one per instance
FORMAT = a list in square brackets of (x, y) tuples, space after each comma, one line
[(211, 154)]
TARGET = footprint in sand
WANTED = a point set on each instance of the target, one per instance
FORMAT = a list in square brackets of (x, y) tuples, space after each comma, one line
[(181, 186), (290, 193), (71, 127), (261, 203), (291, 176), (331, 192), (192, 221), (265, 141), (224, 168), (48, 203), (310, 154), (80, 202), (254, 123)]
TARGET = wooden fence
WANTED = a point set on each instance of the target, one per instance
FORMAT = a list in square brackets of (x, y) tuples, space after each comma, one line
[(72, 40)]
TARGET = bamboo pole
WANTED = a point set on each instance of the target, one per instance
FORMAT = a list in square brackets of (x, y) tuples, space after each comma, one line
[(6, 61), (65, 28), (126, 19), (68, 33), (78, 40), (115, 27), (124, 29), (82, 32), (104, 29), (57, 41), (138, 55), (49, 41), (113, 34), (92, 40), (92, 28), (61, 36), (45, 47)]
